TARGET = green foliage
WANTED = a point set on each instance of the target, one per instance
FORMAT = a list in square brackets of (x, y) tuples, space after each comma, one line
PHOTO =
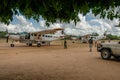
[(2, 34), (50, 10), (95, 34), (113, 37)]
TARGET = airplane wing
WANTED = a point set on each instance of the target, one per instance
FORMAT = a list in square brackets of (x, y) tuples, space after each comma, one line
[(50, 31)]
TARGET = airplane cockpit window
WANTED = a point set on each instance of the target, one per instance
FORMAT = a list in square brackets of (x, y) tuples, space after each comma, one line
[(24, 35)]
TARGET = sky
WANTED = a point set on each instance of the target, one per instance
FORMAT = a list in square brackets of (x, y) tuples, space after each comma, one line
[(87, 25)]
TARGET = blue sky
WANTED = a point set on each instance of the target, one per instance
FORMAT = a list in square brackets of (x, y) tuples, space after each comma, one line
[(87, 25)]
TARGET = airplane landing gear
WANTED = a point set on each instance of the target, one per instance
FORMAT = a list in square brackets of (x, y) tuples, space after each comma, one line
[(12, 45), (30, 44), (38, 45)]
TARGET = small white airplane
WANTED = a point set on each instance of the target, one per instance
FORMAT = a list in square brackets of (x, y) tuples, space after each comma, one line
[(98, 37), (85, 39), (40, 37)]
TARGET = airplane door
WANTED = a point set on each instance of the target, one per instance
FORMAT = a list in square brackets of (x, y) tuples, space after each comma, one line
[(31, 37)]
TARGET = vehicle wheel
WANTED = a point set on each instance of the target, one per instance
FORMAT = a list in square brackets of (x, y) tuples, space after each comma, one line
[(12, 45), (105, 54), (38, 45)]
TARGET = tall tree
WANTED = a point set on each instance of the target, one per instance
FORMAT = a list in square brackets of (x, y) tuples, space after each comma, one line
[(64, 10)]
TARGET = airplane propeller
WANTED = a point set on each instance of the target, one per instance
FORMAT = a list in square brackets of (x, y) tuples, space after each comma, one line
[(62, 32), (7, 36)]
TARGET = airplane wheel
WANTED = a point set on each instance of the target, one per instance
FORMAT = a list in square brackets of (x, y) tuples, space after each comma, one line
[(39, 45), (30, 44), (12, 45), (27, 44)]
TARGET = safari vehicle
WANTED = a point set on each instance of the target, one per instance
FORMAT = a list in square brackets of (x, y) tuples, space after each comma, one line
[(109, 49)]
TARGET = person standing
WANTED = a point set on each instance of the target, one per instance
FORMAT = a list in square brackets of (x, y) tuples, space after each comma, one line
[(90, 41), (65, 44), (109, 40)]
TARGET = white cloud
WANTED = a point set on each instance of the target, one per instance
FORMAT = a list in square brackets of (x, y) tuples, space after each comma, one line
[(21, 26), (90, 24)]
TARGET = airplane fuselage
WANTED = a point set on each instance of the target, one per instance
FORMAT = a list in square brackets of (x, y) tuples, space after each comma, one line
[(39, 37), (14, 37)]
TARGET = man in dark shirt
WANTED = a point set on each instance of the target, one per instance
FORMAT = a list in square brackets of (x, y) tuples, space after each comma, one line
[(65, 44), (90, 41)]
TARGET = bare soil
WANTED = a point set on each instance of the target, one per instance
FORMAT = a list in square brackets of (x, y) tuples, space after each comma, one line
[(55, 63)]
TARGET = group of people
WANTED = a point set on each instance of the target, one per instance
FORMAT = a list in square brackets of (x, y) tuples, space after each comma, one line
[(90, 41)]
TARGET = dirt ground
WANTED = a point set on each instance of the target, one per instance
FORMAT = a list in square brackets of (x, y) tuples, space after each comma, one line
[(55, 63)]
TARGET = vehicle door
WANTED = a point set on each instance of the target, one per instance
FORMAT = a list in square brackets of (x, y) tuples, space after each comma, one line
[(113, 48)]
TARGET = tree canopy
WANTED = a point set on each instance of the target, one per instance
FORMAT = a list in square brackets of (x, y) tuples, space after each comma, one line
[(51, 10)]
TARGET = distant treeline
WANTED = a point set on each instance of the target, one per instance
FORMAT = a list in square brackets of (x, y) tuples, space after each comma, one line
[(112, 37), (109, 36), (3, 34)]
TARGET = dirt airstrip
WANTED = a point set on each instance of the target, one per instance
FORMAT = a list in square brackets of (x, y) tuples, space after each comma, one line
[(55, 63)]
